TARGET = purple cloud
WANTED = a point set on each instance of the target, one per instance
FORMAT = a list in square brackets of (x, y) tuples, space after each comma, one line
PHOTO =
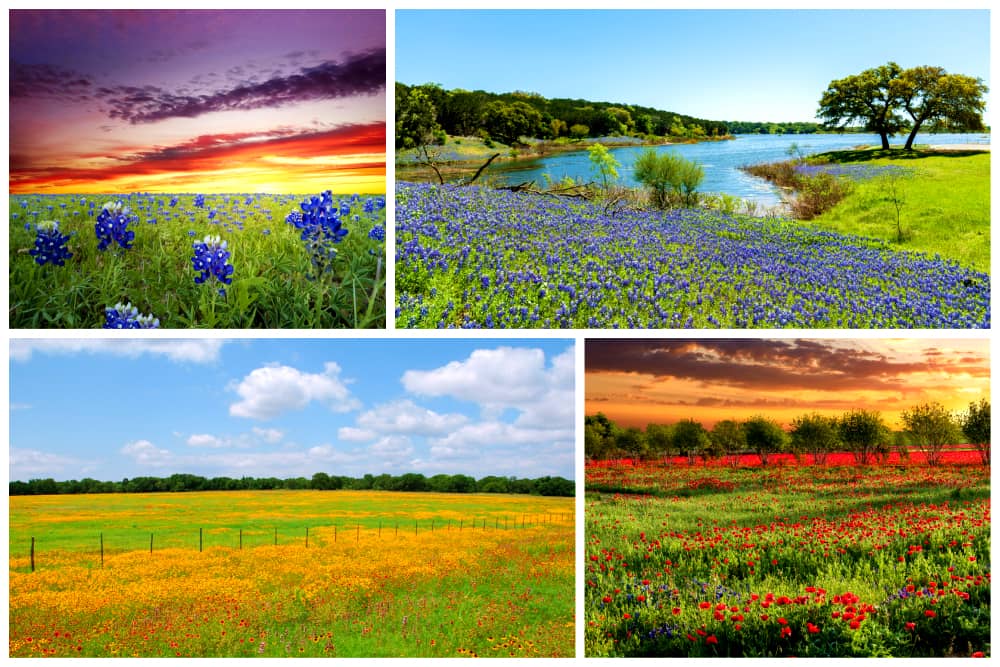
[(357, 75), (50, 81)]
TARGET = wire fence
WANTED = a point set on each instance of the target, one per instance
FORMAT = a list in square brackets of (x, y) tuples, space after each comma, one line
[(314, 536)]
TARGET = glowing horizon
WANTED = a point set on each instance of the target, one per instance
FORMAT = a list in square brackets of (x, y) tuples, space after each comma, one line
[(108, 102), (640, 382)]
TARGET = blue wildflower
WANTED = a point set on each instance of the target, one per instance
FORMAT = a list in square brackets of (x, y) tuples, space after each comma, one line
[(50, 245), (112, 226), (377, 233), (199, 201), (127, 317), (210, 256)]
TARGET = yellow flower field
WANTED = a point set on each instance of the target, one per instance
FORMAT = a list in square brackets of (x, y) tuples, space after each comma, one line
[(394, 591)]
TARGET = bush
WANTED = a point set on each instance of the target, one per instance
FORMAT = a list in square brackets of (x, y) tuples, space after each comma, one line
[(816, 194), (670, 178)]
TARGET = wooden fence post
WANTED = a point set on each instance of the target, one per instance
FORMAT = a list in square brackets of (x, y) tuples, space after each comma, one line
[(358, 539), (200, 539), (275, 536), (32, 554), (150, 543), (102, 551), (241, 539), (307, 537)]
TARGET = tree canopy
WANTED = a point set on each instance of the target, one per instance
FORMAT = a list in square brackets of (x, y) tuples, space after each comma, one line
[(889, 99)]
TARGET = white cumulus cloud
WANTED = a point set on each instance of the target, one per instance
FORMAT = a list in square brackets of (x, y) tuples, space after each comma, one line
[(406, 417), (145, 453), (273, 390)]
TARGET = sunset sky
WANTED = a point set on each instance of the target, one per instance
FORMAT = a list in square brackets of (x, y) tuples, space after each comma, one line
[(638, 382), (197, 101)]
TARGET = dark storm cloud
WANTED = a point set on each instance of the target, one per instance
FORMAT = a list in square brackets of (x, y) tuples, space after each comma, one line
[(48, 81), (770, 364), (357, 75)]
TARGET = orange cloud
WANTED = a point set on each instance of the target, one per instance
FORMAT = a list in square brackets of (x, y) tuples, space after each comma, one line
[(350, 159)]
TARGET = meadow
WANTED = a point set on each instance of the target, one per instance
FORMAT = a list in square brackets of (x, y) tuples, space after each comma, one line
[(197, 261), (932, 201), (383, 574), (470, 257), (789, 560)]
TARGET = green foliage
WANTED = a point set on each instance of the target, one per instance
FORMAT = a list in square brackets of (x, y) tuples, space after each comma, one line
[(764, 436), (816, 194), (509, 122), (815, 434), (877, 99), (864, 434), (670, 178), (976, 425), (416, 117), (691, 439), (578, 131), (931, 427), (729, 438), (604, 164)]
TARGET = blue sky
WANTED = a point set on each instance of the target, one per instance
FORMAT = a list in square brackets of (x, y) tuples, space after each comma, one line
[(754, 65), (116, 408)]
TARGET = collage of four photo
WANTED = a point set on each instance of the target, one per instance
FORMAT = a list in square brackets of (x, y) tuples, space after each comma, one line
[(641, 333)]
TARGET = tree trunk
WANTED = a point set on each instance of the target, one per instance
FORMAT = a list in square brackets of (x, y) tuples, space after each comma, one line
[(912, 136), (885, 140)]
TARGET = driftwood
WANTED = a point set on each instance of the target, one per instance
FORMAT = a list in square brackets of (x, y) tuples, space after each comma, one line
[(485, 164), (430, 163), (581, 191)]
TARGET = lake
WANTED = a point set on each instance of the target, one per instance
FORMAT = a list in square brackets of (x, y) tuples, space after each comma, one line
[(720, 159)]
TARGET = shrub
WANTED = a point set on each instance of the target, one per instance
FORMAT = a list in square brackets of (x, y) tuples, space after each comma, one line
[(671, 179)]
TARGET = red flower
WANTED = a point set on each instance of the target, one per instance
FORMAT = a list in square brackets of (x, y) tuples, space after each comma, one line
[(930, 613), (855, 625), (711, 640), (786, 631), (676, 611), (812, 628), (910, 625), (626, 616), (978, 654), (782, 621), (705, 605), (606, 599)]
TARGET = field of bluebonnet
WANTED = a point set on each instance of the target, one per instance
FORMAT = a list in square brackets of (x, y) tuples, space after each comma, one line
[(473, 257), (177, 261)]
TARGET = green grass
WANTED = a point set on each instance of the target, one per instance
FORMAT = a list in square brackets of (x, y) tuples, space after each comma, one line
[(658, 566), (946, 207), (273, 284)]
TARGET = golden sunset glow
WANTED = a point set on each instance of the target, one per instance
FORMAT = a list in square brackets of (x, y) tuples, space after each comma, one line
[(639, 382)]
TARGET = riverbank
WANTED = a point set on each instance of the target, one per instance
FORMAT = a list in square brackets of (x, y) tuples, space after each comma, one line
[(935, 199), (462, 156)]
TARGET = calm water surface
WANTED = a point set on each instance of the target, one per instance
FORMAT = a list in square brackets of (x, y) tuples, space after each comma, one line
[(720, 159)]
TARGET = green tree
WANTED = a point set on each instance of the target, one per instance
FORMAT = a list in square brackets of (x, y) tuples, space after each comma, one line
[(869, 99), (815, 434), (764, 436), (632, 443), (579, 131), (604, 163), (416, 117), (864, 434), (730, 439), (976, 428), (600, 439), (508, 122), (931, 94), (659, 440), (690, 439), (932, 427)]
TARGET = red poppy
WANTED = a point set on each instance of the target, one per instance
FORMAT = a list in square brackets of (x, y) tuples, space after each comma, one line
[(676, 611), (812, 628), (930, 613), (711, 640), (910, 625)]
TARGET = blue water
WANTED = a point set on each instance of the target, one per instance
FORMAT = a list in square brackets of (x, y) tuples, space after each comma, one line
[(720, 159)]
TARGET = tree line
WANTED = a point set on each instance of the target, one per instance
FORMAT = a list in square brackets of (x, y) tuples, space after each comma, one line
[(928, 428), (412, 482), (426, 113)]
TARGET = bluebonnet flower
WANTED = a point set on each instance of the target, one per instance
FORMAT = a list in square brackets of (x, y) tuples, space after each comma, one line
[(112, 226), (377, 233), (199, 201), (321, 229), (173, 201), (127, 317), (50, 244), (210, 256)]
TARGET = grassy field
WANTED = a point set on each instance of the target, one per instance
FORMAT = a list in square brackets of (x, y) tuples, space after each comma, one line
[(787, 561), (384, 574), (945, 203), (275, 282)]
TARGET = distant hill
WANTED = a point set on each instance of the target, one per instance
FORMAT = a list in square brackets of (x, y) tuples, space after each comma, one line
[(429, 111)]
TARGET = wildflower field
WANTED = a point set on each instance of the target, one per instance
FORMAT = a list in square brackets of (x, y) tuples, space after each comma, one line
[(179, 261), (793, 560), (232, 574), (470, 257)]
